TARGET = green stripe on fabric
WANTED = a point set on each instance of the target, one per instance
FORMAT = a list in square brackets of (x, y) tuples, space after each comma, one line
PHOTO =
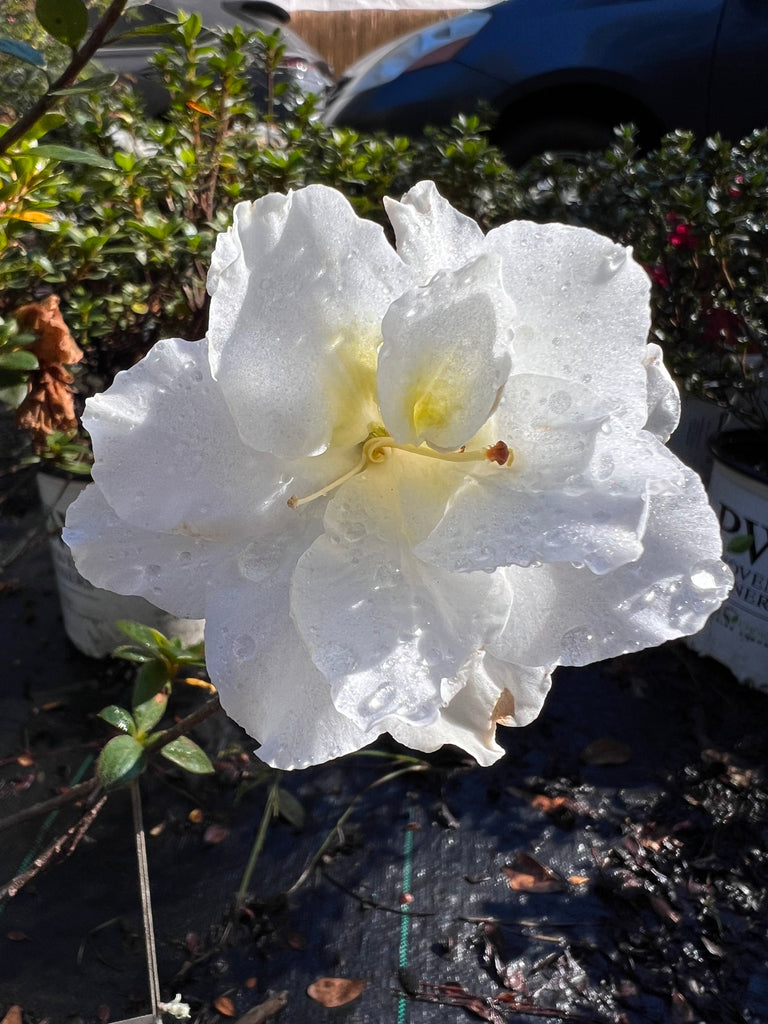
[(405, 923)]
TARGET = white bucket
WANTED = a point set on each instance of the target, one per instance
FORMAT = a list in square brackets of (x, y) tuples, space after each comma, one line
[(89, 614), (737, 634)]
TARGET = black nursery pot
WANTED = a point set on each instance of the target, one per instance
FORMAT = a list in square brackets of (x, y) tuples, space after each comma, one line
[(745, 451)]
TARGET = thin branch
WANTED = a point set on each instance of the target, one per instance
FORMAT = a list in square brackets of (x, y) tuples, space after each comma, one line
[(66, 79), (61, 848)]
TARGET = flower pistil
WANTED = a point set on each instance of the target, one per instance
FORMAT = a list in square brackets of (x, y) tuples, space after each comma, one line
[(379, 446)]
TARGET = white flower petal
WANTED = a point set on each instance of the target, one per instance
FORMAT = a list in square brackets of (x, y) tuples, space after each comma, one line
[(388, 632), (663, 396), (570, 615), (168, 456), (493, 693), (550, 426), (582, 310), (172, 572), (599, 529), (432, 235), (445, 356), (298, 289), (265, 677)]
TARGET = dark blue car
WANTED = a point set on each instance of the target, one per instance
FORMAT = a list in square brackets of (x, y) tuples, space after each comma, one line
[(561, 73)]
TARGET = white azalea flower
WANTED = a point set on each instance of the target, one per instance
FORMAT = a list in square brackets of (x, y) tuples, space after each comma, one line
[(402, 485)]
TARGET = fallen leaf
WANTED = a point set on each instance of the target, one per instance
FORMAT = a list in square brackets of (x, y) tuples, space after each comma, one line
[(578, 879), (251, 982), (196, 816), (215, 834), (25, 760), (606, 751), (336, 991), (526, 874), (17, 936), (224, 1006), (13, 1016)]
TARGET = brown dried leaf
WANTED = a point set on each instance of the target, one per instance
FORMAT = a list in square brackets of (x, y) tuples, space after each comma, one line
[(526, 874), (606, 751), (54, 343), (13, 1016), (224, 1006), (336, 991), (25, 760)]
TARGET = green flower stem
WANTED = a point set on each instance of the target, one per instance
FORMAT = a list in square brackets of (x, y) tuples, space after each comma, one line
[(270, 812)]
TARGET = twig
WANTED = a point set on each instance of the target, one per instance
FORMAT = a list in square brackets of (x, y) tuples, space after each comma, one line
[(62, 847), (67, 78), (75, 793)]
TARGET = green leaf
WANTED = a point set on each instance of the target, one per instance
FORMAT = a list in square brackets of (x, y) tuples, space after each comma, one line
[(18, 360), (94, 84), (738, 545), (141, 634), (290, 808), (74, 156), (185, 753), (151, 679), (149, 712), (119, 718), (120, 761), (23, 51), (65, 20)]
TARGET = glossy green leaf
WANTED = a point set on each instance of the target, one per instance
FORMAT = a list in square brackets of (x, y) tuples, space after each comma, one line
[(185, 753), (151, 679), (65, 20), (119, 718), (141, 634), (94, 84), (149, 712), (25, 52), (74, 156), (120, 761), (20, 359)]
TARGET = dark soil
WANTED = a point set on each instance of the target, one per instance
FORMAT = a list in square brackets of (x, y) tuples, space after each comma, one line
[(613, 867)]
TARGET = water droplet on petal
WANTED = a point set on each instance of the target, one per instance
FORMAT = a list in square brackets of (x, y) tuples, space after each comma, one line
[(243, 647)]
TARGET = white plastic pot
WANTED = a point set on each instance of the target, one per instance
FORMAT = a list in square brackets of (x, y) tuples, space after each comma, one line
[(737, 634), (89, 614)]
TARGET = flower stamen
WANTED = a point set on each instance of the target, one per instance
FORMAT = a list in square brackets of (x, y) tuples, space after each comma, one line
[(380, 447)]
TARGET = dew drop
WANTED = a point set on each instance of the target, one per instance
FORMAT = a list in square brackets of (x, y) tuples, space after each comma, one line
[(243, 647), (559, 401)]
